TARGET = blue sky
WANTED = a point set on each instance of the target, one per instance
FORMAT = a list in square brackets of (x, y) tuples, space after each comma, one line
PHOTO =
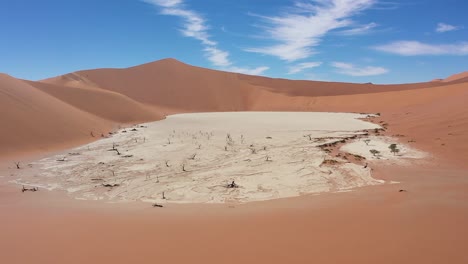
[(376, 41)]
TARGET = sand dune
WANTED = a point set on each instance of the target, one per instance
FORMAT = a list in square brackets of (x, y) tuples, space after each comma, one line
[(32, 120), (106, 104), (172, 84), (463, 76)]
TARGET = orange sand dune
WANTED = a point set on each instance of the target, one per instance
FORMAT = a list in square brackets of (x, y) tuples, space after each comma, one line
[(172, 84), (463, 76), (32, 120), (106, 104)]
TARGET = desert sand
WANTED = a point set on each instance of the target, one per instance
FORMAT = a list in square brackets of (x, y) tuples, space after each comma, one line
[(415, 216)]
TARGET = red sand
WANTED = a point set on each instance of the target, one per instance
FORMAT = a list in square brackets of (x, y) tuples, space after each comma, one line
[(370, 225)]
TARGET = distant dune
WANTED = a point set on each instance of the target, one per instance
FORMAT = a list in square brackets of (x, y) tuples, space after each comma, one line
[(463, 76), (110, 97), (175, 85)]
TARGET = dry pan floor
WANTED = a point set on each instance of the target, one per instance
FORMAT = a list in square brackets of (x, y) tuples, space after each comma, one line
[(197, 158)]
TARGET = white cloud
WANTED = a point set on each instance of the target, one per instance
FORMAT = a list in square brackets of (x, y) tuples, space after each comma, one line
[(303, 66), (414, 48), (164, 3), (217, 57), (195, 26), (442, 27), (251, 71), (359, 30), (300, 30), (353, 70)]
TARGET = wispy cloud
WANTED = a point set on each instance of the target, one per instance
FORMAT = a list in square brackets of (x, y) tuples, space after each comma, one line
[(251, 71), (195, 26), (359, 30), (301, 29), (442, 27), (303, 66), (415, 48), (353, 70)]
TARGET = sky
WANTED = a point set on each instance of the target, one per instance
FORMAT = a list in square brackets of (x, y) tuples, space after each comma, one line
[(360, 41)]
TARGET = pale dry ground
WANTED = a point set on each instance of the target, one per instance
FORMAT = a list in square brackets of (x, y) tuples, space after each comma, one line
[(191, 158), (363, 148)]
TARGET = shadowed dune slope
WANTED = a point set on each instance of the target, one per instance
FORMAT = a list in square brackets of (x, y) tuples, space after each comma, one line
[(32, 120), (106, 104), (168, 84)]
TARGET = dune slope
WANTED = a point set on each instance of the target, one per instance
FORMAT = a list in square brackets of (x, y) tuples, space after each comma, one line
[(106, 104), (172, 84), (35, 121)]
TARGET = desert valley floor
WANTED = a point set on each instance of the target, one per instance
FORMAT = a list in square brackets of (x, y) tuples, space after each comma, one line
[(246, 169), (270, 155)]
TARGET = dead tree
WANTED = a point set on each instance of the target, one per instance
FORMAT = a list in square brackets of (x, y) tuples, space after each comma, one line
[(17, 165), (267, 158), (309, 136), (193, 156), (91, 133), (374, 152), (232, 185), (183, 167), (367, 141), (34, 189), (110, 185), (163, 196), (167, 164)]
